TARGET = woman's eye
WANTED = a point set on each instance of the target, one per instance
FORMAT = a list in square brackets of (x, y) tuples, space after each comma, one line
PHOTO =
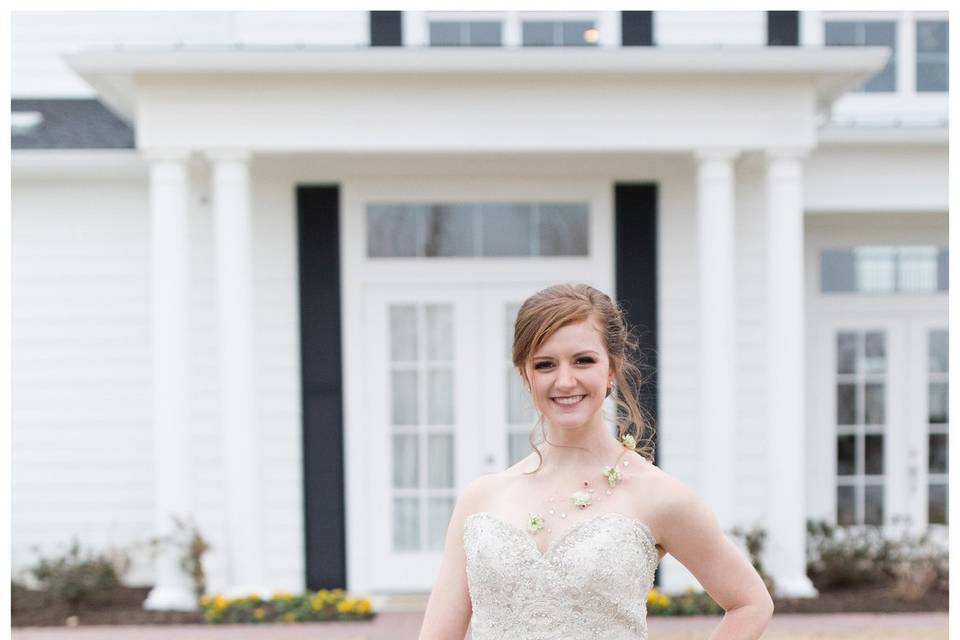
[(544, 365)]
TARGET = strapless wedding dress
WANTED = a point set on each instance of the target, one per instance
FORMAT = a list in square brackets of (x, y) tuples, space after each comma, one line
[(592, 582)]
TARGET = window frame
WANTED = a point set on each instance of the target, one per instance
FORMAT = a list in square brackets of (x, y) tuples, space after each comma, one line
[(917, 53)]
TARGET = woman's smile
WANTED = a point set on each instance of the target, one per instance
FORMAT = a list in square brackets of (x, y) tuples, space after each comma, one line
[(568, 401)]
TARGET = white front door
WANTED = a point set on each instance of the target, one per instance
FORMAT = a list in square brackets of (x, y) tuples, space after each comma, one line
[(453, 408), (881, 433)]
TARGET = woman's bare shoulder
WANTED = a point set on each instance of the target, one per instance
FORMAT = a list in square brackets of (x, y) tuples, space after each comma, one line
[(484, 490), (667, 501)]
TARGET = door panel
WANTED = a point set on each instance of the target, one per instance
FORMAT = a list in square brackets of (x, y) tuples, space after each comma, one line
[(885, 425), (421, 421)]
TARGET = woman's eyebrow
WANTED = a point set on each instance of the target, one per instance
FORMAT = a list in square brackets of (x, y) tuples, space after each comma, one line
[(579, 353)]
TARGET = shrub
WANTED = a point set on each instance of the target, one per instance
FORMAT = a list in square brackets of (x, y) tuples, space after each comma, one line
[(690, 603), (192, 546), (863, 555), (332, 604), (80, 576), (754, 541)]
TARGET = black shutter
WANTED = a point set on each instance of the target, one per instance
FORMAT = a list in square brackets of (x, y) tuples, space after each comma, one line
[(636, 265), (783, 28), (322, 386), (386, 28), (636, 28)]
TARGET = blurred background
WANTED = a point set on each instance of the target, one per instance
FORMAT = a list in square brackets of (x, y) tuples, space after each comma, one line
[(265, 267)]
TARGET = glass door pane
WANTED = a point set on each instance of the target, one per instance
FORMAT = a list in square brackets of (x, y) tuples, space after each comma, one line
[(937, 421), (861, 396), (422, 378)]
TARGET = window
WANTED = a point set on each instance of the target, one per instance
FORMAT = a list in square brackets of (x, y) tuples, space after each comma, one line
[(860, 426), (475, 33), (932, 60), (867, 33), (560, 33), (884, 270), (477, 229)]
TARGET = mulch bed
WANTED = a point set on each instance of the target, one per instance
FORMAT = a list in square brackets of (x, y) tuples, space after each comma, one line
[(122, 606), (872, 599), (125, 606)]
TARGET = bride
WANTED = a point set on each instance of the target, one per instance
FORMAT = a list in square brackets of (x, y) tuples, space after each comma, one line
[(564, 544)]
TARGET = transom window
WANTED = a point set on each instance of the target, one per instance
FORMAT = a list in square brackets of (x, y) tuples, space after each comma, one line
[(465, 33), (884, 269), (477, 229), (560, 33), (861, 375), (867, 33), (932, 59)]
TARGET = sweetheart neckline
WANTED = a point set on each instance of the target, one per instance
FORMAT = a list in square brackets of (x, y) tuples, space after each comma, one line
[(544, 555)]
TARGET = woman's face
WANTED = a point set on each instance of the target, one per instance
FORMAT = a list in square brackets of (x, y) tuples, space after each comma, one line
[(569, 375)]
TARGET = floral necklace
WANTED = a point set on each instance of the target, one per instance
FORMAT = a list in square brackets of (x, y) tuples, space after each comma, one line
[(583, 498)]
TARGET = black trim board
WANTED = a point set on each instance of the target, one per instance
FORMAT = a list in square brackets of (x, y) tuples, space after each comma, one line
[(783, 28), (318, 237), (635, 207), (386, 28), (636, 28)]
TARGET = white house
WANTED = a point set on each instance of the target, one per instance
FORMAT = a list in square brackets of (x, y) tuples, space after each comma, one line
[(265, 267)]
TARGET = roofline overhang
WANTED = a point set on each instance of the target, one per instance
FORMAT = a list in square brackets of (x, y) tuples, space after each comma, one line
[(835, 70)]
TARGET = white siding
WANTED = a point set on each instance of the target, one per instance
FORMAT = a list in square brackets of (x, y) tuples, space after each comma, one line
[(710, 28), (876, 178), (81, 422), (38, 40)]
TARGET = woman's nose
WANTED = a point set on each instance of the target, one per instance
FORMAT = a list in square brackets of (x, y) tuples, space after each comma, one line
[(565, 377)]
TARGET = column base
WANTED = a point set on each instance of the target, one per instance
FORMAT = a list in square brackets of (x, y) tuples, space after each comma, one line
[(171, 599), (794, 587)]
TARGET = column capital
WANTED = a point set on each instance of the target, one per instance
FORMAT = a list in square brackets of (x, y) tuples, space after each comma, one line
[(228, 155), (716, 153)]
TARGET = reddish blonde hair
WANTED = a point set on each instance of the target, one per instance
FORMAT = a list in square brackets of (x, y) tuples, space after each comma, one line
[(543, 313)]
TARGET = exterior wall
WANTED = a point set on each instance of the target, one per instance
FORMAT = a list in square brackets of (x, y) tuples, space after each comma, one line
[(81, 422), (82, 464), (863, 227), (39, 39), (876, 178), (710, 28)]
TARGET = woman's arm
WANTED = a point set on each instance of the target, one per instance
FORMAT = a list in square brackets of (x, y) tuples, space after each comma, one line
[(693, 536), (448, 609)]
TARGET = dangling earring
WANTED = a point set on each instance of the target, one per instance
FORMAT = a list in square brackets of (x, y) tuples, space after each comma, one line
[(609, 388)]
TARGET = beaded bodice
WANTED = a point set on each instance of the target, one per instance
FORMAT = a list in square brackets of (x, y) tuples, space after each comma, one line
[(592, 582)]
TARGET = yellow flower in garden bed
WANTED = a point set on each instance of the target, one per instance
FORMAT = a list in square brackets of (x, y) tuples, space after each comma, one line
[(282, 606)]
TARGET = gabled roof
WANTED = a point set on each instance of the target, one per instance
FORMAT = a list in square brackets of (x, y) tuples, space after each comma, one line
[(69, 123)]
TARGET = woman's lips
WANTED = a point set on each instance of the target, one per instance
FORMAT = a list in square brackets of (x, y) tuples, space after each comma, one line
[(568, 405)]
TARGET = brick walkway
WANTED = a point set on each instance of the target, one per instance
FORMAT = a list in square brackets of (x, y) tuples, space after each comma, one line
[(406, 626)]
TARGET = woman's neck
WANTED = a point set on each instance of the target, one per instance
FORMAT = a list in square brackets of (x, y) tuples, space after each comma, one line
[(586, 447)]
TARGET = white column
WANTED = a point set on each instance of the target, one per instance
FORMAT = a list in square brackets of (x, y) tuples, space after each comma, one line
[(786, 424), (230, 178), (172, 452), (715, 231)]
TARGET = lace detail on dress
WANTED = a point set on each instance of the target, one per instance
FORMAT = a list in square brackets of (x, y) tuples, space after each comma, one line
[(592, 582)]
